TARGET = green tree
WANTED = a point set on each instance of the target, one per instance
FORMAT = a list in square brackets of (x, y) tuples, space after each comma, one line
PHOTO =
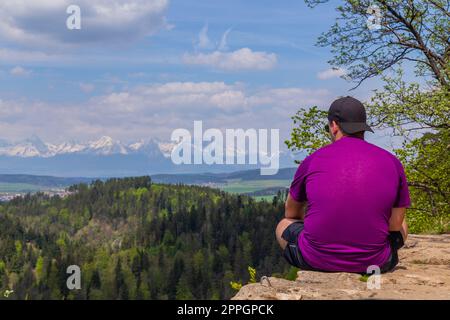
[(422, 119), (39, 269), (120, 284), (414, 31), (183, 290), (309, 132)]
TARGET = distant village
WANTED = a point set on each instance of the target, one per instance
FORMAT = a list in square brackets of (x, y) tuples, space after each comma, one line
[(8, 196)]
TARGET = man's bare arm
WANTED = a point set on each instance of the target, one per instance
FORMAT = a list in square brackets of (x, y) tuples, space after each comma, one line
[(294, 209), (397, 222)]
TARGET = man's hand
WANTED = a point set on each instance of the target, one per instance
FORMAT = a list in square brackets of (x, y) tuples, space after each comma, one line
[(294, 209)]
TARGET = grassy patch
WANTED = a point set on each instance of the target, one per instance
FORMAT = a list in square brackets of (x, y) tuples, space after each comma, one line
[(292, 274), (235, 186), (364, 277), (19, 187)]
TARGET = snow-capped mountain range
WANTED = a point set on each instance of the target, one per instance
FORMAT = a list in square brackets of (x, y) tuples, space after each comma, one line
[(104, 157), (35, 147)]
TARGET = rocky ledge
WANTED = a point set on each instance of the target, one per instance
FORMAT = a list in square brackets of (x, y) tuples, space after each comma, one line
[(423, 273)]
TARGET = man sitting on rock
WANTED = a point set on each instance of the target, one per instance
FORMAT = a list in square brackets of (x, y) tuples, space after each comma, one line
[(347, 203)]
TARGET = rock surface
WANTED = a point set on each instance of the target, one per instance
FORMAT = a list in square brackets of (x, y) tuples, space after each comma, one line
[(422, 273)]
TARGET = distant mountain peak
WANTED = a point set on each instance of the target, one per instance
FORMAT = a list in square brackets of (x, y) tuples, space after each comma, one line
[(105, 145), (166, 148), (104, 141)]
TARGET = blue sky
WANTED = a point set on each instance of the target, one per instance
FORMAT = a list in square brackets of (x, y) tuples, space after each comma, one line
[(141, 68)]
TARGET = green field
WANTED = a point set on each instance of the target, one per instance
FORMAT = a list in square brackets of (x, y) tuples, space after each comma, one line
[(238, 186), (20, 187)]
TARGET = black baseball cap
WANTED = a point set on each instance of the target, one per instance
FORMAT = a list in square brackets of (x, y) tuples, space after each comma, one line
[(350, 114)]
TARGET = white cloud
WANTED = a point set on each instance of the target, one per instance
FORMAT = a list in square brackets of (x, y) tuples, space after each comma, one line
[(238, 60), (288, 98), (87, 87), (20, 72), (242, 59), (155, 110), (223, 41), (203, 40), (43, 23), (17, 56), (10, 109), (331, 73), (137, 75)]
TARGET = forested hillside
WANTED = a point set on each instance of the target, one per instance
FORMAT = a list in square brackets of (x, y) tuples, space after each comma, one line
[(136, 240)]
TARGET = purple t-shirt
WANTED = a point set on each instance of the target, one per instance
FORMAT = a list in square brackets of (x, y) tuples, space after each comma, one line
[(351, 187)]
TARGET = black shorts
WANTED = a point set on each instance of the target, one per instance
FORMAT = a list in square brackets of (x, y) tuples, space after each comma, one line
[(294, 256), (292, 252)]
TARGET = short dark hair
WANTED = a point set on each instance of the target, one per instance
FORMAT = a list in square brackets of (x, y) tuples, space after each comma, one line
[(359, 134)]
